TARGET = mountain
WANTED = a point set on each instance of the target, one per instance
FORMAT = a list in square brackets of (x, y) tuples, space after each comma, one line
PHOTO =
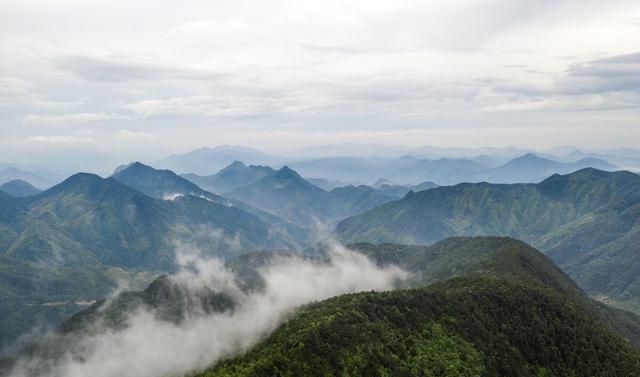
[(326, 184), (398, 191), (161, 184), (586, 221), (232, 177), (10, 173), (625, 159), (356, 199), (286, 194), (19, 188), (206, 161), (479, 306), (495, 307), (351, 169), (532, 168), (78, 240), (466, 327), (444, 171), (423, 186), (165, 184)]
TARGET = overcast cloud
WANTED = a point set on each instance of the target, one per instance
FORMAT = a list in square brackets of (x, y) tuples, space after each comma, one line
[(167, 76)]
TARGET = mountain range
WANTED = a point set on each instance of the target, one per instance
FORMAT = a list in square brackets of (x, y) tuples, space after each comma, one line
[(207, 161), (232, 177), (442, 166), (19, 188), (509, 312), (587, 221), (286, 194), (77, 240), (477, 306)]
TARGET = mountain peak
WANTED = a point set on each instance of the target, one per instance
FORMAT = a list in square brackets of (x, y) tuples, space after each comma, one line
[(19, 188), (234, 166), (82, 178), (530, 157), (137, 168), (80, 183), (287, 172), (137, 165)]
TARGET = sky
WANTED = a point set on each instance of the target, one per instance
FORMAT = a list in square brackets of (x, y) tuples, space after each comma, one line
[(153, 77)]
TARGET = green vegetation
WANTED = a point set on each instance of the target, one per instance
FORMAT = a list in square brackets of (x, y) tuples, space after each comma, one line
[(464, 327), (65, 244), (19, 188), (478, 306), (587, 222), (286, 194), (232, 177)]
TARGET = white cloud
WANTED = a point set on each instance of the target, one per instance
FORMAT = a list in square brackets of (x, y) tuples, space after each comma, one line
[(220, 106), (69, 119), (150, 347), (128, 135), (61, 139), (404, 64)]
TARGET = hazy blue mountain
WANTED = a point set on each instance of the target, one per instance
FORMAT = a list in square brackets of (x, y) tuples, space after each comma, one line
[(347, 169), (627, 159), (530, 168), (19, 188), (206, 161), (423, 186), (356, 199), (398, 191), (458, 166), (289, 196), (352, 169), (382, 182), (586, 221), (161, 184), (75, 241), (286, 194), (326, 184), (165, 184), (232, 177), (9, 174), (444, 171)]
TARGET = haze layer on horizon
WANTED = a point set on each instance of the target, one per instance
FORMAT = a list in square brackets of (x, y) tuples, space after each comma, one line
[(149, 77)]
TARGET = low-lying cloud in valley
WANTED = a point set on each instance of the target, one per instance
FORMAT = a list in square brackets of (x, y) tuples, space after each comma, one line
[(151, 347)]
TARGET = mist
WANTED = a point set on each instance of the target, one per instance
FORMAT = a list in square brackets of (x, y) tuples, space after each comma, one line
[(149, 346)]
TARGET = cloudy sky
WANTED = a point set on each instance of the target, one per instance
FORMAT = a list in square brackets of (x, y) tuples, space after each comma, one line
[(117, 76)]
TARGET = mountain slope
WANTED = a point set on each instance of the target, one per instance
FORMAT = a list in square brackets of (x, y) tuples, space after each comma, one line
[(586, 221), (508, 312), (79, 239), (165, 184), (19, 188), (232, 177), (532, 168), (465, 327), (444, 171), (286, 194), (10, 173), (206, 161)]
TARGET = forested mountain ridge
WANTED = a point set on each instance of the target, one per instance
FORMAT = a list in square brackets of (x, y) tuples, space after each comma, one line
[(76, 241), (286, 194), (587, 221), (19, 188), (496, 307), (492, 306)]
